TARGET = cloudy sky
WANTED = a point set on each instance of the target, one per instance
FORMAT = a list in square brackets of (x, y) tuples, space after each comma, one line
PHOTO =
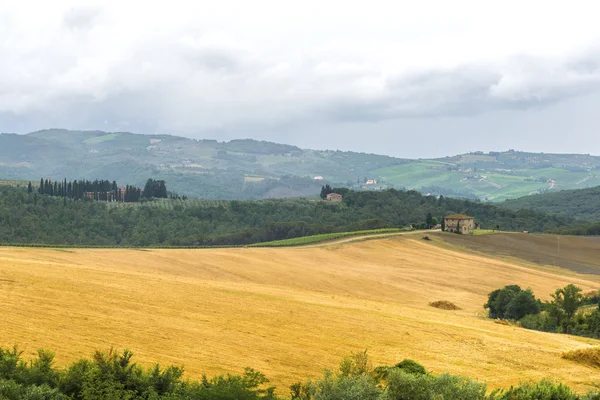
[(405, 78)]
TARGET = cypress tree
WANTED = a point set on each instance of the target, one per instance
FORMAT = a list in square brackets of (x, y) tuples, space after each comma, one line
[(29, 188), (149, 188)]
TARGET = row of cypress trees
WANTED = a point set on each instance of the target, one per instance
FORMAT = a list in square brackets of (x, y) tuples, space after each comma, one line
[(102, 190)]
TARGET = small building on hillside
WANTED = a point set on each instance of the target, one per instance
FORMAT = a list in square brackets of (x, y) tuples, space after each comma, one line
[(334, 197), (459, 223)]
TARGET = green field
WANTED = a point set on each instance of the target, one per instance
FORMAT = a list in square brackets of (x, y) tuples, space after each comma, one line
[(326, 237), (493, 184)]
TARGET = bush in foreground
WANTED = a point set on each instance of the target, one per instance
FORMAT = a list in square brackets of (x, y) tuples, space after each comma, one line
[(114, 375)]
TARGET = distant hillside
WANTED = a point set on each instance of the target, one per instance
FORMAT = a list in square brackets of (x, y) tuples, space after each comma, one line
[(41, 219), (250, 169), (496, 176), (583, 204), (239, 169)]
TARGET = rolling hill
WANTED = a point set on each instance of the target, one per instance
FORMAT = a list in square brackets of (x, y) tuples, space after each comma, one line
[(291, 312), (249, 169), (583, 204)]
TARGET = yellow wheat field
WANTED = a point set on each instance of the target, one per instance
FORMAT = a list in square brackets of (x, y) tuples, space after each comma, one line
[(288, 313)]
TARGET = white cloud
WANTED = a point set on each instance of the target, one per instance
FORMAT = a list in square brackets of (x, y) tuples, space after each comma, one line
[(189, 67)]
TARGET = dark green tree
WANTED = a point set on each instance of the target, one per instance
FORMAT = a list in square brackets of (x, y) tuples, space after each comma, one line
[(568, 299), (522, 304), (325, 190), (499, 299)]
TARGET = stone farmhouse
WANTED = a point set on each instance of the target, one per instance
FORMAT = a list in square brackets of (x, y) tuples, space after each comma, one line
[(459, 223), (334, 197)]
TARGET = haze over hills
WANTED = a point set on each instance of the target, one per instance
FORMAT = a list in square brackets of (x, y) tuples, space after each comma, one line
[(250, 169)]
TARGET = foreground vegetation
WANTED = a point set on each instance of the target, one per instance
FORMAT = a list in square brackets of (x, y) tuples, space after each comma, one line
[(114, 375), (31, 218)]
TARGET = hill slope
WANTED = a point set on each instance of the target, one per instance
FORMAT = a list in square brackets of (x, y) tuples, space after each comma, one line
[(583, 204), (249, 169), (32, 218), (285, 311), (497, 176)]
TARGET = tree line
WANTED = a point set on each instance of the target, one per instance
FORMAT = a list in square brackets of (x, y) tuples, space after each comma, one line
[(43, 219), (569, 310), (102, 190), (114, 375)]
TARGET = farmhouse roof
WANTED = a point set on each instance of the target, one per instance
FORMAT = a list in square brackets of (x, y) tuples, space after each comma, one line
[(458, 216)]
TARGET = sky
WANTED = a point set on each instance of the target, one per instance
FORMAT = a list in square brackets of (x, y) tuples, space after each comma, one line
[(404, 78)]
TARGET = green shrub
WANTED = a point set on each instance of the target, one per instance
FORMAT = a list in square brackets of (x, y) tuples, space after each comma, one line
[(10, 390), (404, 386), (229, 387), (411, 367), (543, 390)]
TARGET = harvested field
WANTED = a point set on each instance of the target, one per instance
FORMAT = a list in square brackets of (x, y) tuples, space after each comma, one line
[(577, 253), (588, 355), (287, 312)]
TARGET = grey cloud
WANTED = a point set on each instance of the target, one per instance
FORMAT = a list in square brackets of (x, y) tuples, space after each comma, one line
[(472, 89), (196, 82), (216, 60), (81, 18)]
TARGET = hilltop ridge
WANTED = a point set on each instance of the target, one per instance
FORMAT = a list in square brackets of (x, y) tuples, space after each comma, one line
[(251, 169)]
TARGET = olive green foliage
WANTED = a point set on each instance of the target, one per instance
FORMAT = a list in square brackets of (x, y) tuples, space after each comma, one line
[(356, 379), (543, 390), (31, 218), (114, 376), (511, 302), (404, 386)]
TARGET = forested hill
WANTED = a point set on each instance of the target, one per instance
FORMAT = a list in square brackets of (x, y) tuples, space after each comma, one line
[(40, 219), (251, 169), (583, 204)]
